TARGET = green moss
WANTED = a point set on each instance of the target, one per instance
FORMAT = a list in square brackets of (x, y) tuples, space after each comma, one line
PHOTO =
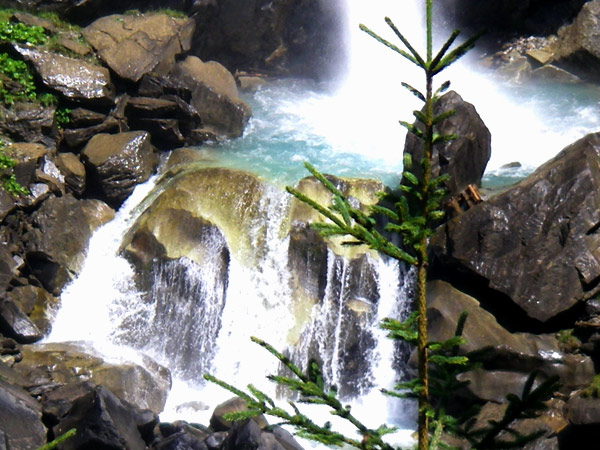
[(19, 32), (8, 180), (593, 390), (19, 72)]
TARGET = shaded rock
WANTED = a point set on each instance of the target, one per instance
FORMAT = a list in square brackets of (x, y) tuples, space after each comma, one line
[(168, 119), (133, 45), (244, 435), (117, 163), (303, 38), (464, 158), (58, 402), (583, 410), (235, 404), (507, 358), (7, 204), (58, 239), (214, 95), (286, 439), (74, 172), (68, 363), (15, 323), (578, 47), (102, 421), (81, 117), (502, 17), (74, 78), (495, 412), (37, 303), (76, 137), (536, 242), (29, 158), (20, 418), (183, 437), (28, 122), (555, 74)]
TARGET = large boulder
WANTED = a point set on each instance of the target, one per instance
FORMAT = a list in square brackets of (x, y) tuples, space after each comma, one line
[(507, 358), (464, 158), (537, 243), (119, 162), (578, 45), (58, 238), (102, 420), (134, 45), (20, 419), (214, 95), (76, 79), (51, 365)]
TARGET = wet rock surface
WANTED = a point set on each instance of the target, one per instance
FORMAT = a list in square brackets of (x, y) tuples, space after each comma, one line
[(117, 163), (536, 242), (464, 159), (73, 78)]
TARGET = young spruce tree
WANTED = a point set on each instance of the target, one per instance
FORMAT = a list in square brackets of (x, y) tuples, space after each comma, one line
[(412, 217)]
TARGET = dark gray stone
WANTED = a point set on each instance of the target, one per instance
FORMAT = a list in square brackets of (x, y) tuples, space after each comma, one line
[(537, 242), (464, 158), (119, 162), (20, 419)]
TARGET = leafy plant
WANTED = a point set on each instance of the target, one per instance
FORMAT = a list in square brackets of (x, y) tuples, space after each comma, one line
[(19, 32), (62, 116), (593, 390), (17, 71), (7, 177)]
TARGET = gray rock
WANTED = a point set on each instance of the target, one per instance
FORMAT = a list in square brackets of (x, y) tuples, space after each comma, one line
[(28, 122), (102, 421), (537, 242), (15, 323), (73, 171), (583, 410), (20, 418), (59, 236), (74, 78), (577, 48), (507, 358), (464, 158), (119, 162), (134, 45), (235, 404), (70, 363), (214, 95)]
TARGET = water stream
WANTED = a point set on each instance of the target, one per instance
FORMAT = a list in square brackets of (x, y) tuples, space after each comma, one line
[(194, 322)]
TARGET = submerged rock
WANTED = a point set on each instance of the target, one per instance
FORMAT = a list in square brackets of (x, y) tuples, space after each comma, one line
[(537, 242)]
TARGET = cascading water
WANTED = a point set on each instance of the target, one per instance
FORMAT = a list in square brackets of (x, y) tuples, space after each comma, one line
[(196, 318)]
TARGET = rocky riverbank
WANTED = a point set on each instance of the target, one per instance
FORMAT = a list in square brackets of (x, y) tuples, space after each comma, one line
[(128, 88)]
